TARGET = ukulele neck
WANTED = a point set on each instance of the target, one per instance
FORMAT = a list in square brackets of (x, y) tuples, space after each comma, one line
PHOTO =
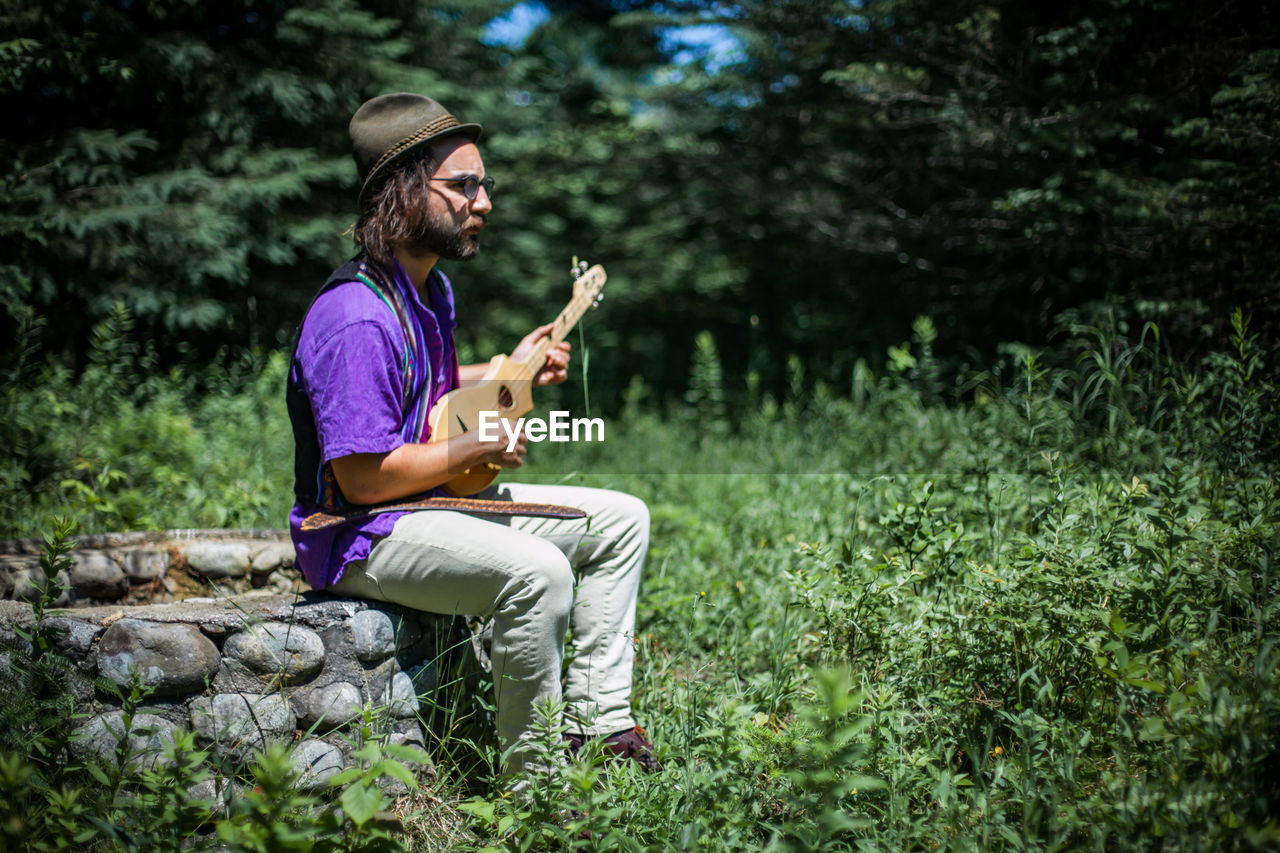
[(566, 320)]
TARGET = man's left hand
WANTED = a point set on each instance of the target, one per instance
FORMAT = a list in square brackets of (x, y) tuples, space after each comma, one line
[(556, 368)]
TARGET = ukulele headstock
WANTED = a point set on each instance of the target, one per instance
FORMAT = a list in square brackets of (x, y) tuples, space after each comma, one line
[(588, 281)]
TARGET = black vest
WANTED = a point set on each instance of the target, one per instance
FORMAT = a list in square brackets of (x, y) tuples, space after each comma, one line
[(309, 474), (313, 481)]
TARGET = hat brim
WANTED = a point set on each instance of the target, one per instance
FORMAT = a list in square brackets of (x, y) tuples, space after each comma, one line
[(380, 172)]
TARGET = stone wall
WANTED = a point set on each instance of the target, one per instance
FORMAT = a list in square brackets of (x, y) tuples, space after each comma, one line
[(239, 669), (154, 567)]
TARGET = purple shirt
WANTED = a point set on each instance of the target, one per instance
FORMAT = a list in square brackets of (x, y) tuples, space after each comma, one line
[(349, 358)]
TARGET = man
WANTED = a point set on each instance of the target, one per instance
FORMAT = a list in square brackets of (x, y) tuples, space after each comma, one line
[(374, 353)]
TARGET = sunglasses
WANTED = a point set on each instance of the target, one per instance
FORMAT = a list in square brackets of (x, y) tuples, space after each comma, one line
[(470, 185)]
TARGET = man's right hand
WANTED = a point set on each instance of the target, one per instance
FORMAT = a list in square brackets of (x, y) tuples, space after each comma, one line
[(496, 452), (410, 469)]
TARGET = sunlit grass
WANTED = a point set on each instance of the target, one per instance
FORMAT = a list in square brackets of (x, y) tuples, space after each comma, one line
[(1036, 619)]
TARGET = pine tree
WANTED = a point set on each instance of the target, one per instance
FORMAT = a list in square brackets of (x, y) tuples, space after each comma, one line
[(188, 160)]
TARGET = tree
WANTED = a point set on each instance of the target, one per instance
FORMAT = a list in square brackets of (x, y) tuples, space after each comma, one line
[(990, 164), (845, 168), (995, 163), (188, 160)]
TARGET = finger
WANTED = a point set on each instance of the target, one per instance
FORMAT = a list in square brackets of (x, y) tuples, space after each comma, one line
[(530, 339)]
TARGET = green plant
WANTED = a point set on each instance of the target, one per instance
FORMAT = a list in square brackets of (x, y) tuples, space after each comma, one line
[(825, 769), (55, 563)]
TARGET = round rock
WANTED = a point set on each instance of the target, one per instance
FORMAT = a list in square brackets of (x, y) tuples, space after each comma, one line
[(237, 724), (278, 555), (95, 575), (148, 737), (401, 699), (293, 651), (142, 565), (219, 559), (409, 733), (316, 762), (328, 707), (29, 583), (170, 658), (373, 635), (72, 637), (214, 791)]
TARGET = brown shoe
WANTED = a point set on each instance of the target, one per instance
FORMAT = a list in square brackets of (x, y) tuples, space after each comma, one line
[(628, 743)]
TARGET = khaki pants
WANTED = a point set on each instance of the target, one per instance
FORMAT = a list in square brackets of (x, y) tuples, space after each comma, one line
[(521, 571)]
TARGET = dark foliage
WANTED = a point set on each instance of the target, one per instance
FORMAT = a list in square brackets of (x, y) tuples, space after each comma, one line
[(804, 180)]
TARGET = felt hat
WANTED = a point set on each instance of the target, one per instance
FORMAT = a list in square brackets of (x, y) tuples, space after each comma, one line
[(388, 128)]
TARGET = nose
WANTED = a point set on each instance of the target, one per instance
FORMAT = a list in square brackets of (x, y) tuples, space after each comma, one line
[(481, 203)]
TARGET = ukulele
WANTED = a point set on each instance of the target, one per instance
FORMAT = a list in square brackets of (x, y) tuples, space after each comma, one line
[(507, 385)]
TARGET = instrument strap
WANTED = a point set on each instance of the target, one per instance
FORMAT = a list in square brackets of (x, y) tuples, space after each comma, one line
[(475, 506)]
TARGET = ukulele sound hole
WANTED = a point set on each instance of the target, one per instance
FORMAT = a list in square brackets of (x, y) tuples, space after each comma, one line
[(505, 400)]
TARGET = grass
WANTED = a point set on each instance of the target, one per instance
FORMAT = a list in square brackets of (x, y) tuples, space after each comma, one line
[(1042, 615)]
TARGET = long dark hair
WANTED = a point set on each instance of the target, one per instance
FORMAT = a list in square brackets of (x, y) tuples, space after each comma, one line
[(397, 213)]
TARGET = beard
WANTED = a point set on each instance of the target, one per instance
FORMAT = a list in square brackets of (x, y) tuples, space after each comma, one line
[(444, 238)]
